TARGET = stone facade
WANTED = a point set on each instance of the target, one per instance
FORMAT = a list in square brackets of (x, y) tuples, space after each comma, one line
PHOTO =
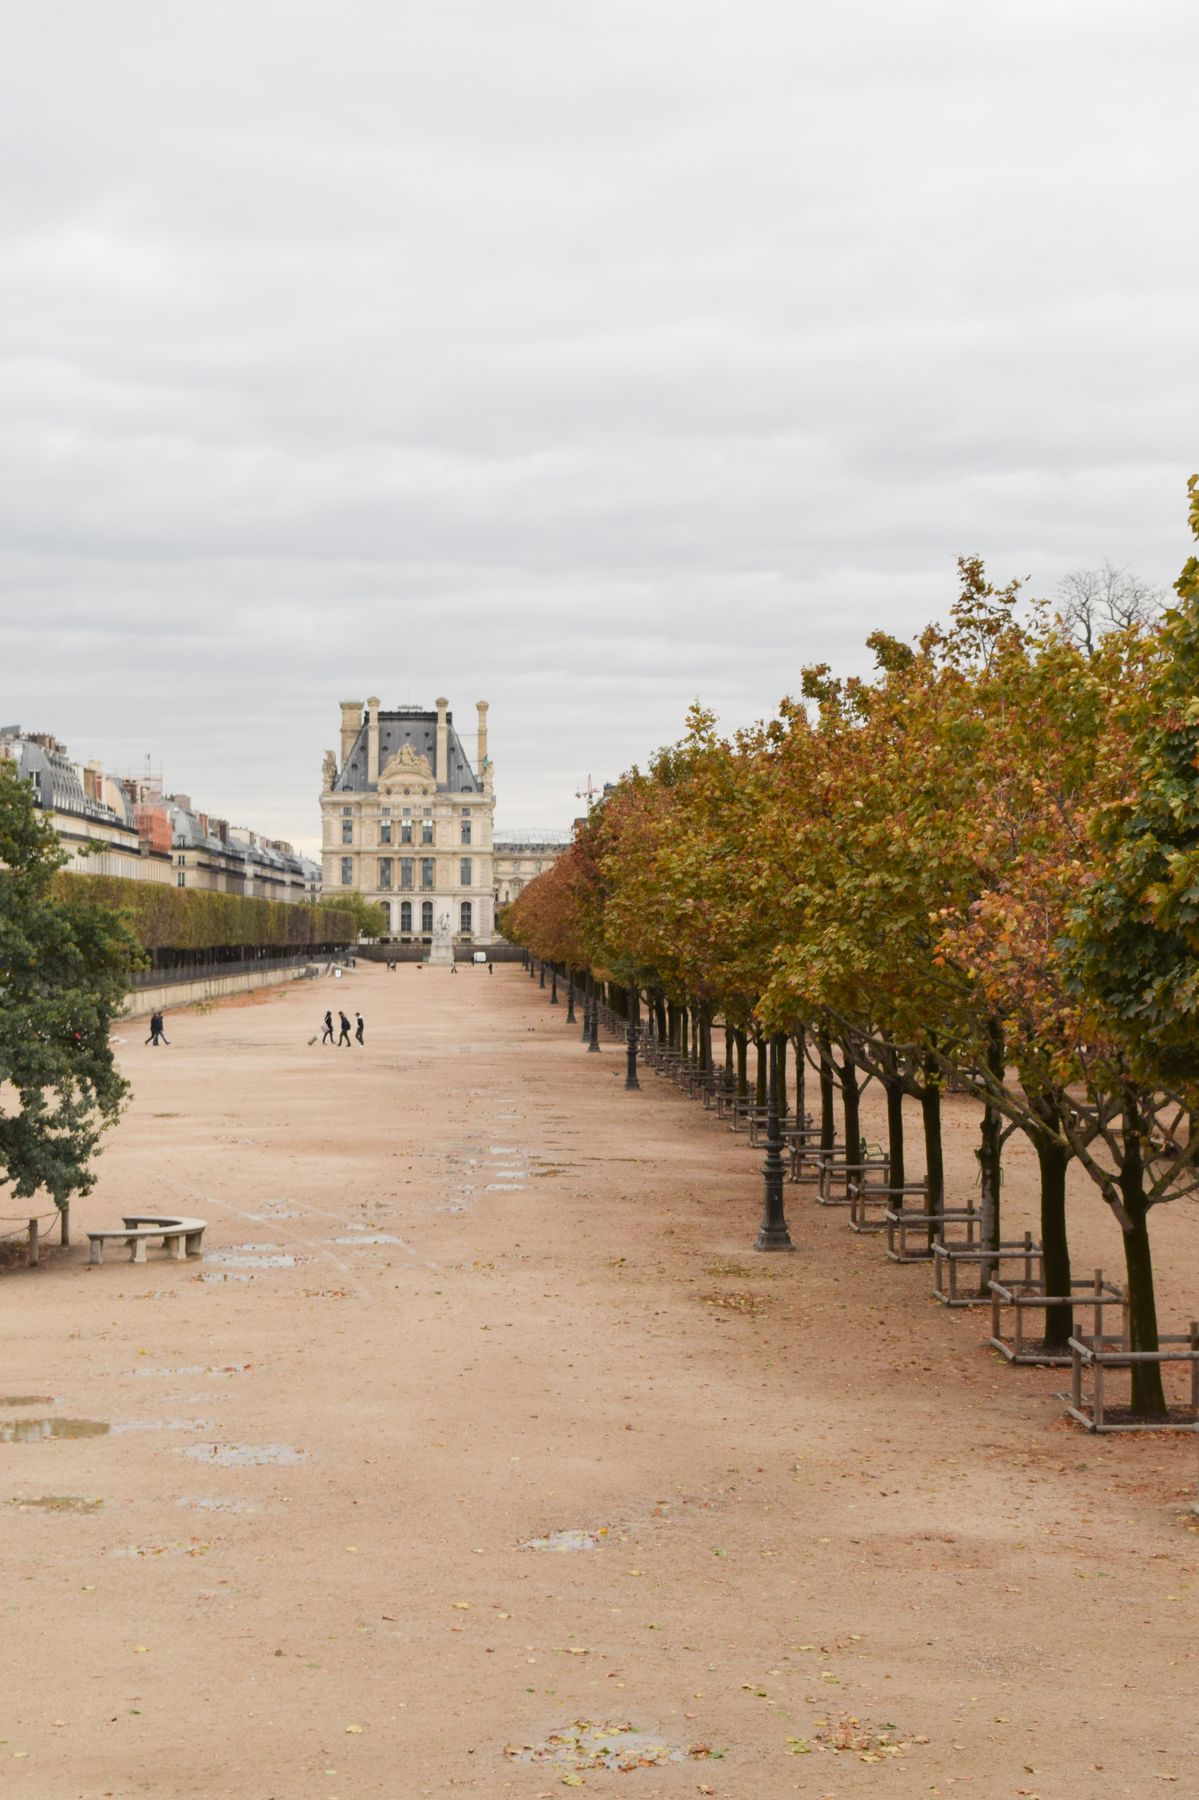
[(516, 862), (407, 822)]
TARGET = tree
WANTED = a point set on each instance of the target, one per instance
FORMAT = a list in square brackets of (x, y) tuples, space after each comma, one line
[(65, 959), (1096, 601), (370, 921)]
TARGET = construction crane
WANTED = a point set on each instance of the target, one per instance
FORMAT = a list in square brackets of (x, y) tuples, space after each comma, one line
[(589, 792)]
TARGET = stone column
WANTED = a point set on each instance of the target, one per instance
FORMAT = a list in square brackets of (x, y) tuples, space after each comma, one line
[(481, 758), (442, 769), (372, 739)]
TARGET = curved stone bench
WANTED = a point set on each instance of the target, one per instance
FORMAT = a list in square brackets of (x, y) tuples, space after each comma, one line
[(182, 1237)]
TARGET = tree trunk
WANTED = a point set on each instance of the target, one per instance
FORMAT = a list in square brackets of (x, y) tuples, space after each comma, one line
[(1054, 1160), (934, 1161), (728, 1057), (1148, 1394), (800, 1077), (894, 1091), (672, 1024), (781, 1052), (742, 1041), (990, 1149), (851, 1103), (660, 1014), (760, 1083), (828, 1122)]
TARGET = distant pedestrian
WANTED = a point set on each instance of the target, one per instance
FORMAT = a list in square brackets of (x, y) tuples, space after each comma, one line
[(157, 1030), (327, 1034), (453, 968), (345, 1031), (491, 968), (359, 1028)]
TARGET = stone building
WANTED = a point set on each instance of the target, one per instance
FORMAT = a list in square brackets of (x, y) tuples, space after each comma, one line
[(520, 856), (123, 825), (407, 822)]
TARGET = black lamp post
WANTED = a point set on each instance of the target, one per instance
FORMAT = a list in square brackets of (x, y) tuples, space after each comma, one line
[(532, 966), (586, 1005), (773, 1234), (570, 995), (630, 1080), (593, 1042)]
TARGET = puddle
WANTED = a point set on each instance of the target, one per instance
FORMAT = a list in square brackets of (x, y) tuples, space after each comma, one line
[(210, 1503), (264, 1218), (246, 1456), (503, 1150), (27, 1400), (367, 1237), (162, 1425), (585, 1745), (61, 1503), (563, 1541), (505, 1187), (234, 1259), (32, 1431), (221, 1275)]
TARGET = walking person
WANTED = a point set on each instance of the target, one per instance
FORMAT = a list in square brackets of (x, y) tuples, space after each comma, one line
[(359, 1029), (157, 1031), (327, 1034), (345, 1031)]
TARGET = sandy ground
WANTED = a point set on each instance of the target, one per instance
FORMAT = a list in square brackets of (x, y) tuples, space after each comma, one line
[(462, 1292)]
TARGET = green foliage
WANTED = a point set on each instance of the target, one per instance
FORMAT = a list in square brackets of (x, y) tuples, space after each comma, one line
[(369, 919), (65, 957), (163, 917), (1137, 934)]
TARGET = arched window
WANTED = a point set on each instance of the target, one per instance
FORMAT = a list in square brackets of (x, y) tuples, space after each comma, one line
[(386, 905), (405, 917), (465, 915), (426, 915)]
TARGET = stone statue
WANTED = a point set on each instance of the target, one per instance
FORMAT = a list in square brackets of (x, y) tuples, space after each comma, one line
[(329, 771)]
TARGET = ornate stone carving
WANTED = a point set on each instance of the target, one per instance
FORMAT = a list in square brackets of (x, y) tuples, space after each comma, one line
[(329, 772), (409, 767)]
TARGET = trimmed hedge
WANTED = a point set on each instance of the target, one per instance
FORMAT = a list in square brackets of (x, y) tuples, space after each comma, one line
[(175, 918)]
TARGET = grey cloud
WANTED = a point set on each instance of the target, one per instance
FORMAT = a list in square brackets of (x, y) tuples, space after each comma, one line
[(587, 357)]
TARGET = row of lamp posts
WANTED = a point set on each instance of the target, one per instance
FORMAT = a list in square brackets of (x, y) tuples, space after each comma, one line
[(772, 1233)]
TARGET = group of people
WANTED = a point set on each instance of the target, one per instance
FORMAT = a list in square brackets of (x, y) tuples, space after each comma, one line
[(359, 1030), (157, 1030)]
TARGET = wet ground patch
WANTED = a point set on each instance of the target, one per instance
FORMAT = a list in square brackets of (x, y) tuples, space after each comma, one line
[(246, 1456), (588, 1745), (58, 1503), (35, 1431)]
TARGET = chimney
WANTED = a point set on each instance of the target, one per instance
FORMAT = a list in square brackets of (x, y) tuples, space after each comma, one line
[(372, 739), (481, 709), (351, 719), (443, 745)]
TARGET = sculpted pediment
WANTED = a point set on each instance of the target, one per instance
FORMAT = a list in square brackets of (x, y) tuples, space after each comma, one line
[(407, 770)]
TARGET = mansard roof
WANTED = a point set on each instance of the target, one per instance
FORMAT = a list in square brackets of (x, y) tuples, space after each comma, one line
[(419, 731)]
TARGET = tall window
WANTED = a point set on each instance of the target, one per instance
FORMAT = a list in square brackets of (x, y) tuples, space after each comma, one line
[(347, 871), (385, 871), (347, 831), (385, 832), (426, 830), (405, 916), (406, 871), (464, 872), (405, 831), (426, 871), (426, 915), (465, 914), (465, 827), (386, 905)]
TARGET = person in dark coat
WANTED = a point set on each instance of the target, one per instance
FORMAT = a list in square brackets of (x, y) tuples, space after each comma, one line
[(157, 1031), (359, 1028), (345, 1031), (327, 1034)]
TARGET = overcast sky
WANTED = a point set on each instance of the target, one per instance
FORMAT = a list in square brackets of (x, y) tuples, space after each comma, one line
[(585, 356)]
